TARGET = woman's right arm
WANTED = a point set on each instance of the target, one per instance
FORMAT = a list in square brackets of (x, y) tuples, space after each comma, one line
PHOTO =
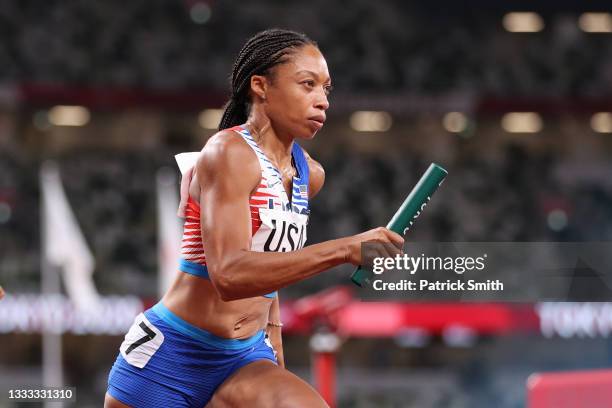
[(227, 172)]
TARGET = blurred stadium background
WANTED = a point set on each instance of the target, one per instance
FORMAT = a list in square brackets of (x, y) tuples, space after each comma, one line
[(513, 98)]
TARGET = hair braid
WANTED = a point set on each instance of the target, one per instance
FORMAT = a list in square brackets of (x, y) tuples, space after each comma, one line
[(260, 53)]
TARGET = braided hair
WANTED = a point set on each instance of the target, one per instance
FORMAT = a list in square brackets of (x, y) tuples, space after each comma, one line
[(261, 52)]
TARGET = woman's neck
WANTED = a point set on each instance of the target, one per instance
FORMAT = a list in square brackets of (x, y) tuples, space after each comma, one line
[(276, 145)]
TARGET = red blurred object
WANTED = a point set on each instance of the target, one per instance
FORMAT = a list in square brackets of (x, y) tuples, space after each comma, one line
[(324, 370), (324, 346), (335, 309), (323, 303), (589, 389)]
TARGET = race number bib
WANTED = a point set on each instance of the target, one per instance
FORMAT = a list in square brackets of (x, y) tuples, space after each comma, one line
[(141, 342), (280, 231)]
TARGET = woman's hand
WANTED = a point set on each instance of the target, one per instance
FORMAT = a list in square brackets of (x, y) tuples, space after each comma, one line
[(379, 235)]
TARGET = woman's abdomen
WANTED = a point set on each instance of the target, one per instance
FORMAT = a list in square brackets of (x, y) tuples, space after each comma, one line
[(196, 301)]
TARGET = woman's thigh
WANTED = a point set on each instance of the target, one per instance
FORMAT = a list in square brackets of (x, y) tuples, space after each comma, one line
[(111, 402), (264, 384)]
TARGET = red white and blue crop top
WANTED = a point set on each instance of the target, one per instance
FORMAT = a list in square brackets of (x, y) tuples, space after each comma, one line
[(278, 223)]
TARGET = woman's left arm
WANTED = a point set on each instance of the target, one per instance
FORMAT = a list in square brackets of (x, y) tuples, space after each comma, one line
[(275, 332)]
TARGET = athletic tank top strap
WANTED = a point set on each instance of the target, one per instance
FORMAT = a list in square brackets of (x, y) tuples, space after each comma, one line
[(299, 199), (267, 167), (298, 202)]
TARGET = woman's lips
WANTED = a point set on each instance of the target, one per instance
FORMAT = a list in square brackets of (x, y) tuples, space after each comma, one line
[(316, 123)]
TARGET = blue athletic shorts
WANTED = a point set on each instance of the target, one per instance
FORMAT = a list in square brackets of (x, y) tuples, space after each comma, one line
[(166, 362)]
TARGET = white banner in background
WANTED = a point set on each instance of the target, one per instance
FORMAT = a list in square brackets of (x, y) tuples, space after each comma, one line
[(63, 244), (169, 228), (30, 313)]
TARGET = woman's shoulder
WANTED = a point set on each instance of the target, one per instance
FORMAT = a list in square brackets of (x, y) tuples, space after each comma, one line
[(225, 158), (227, 153), (317, 174), (225, 141), (227, 147)]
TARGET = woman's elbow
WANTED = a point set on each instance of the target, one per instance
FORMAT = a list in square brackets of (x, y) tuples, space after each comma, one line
[(223, 284)]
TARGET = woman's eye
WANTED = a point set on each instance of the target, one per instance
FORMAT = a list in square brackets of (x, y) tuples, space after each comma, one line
[(310, 83), (328, 89)]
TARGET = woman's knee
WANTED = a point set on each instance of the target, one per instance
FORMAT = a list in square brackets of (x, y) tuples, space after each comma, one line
[(283, 389), (264, 385), (296, 395)]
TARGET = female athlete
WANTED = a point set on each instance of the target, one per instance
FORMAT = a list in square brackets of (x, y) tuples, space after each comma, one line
[(214, 339)]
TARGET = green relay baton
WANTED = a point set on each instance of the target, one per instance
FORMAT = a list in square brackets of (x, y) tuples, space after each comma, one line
[(410, 209)]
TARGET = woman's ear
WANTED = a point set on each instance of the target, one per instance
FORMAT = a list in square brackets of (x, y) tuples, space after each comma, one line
[(259, 86)]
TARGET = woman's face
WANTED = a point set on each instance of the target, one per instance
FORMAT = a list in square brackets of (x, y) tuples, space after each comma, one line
[(296, 94)]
